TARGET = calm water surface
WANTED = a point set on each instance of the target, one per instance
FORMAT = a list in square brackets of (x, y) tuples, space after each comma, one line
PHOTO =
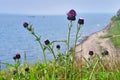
[(15, 39)]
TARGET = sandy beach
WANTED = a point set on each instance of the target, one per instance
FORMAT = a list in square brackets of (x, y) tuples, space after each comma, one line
[(96, 44)]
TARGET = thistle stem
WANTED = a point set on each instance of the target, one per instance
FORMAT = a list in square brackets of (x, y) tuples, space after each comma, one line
[(76, 37), (38, 39), (52, 51), (68, 37)]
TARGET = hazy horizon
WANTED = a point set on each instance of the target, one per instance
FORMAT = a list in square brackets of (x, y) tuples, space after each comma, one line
[(54, 14)]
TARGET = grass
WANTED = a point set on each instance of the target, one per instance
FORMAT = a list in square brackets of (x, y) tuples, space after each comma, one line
[(116, 41), (106, 36), (95, 69), (115, 31), (64, 67)]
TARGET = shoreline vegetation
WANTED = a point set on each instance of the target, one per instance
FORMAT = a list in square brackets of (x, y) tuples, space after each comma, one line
[(96, 58)]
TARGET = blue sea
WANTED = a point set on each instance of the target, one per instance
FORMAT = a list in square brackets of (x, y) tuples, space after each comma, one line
[(14, 38)]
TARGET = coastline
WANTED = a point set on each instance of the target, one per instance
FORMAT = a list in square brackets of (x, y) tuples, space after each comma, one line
[(96, 44), (105, 29)]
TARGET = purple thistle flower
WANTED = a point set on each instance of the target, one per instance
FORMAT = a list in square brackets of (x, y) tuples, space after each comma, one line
[(25, 24), (58, 46), (47, 42), (18, 56), (81, 21), (91, 53), (71, 15)]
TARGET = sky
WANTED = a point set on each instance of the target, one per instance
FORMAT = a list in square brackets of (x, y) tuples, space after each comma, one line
[(52, 7)]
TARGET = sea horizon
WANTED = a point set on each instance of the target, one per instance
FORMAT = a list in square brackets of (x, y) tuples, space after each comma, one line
[(64, 14)]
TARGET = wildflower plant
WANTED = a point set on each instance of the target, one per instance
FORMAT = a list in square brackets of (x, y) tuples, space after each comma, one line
[(38, 38), (60, 58), (71, 16), (80, 23)]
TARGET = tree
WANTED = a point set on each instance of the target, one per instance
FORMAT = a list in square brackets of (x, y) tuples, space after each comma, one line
[(118, 13)]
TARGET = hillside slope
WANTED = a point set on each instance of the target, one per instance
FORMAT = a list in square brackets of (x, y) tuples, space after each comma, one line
[(96, 43)]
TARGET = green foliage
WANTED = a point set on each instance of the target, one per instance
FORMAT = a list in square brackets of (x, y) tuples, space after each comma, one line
[(116, 41), (94, 69), (114, 32), (106, 36), (115, 18)]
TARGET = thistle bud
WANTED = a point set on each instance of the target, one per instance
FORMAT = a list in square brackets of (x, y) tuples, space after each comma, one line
[(25, 24), (47, 42), (58, 46), (18, 56), (105, 53), (91, 53), (81, 21)]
